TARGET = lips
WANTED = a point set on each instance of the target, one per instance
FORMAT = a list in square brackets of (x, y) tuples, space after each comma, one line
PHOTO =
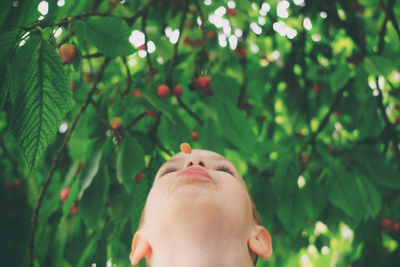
[(195, 171)]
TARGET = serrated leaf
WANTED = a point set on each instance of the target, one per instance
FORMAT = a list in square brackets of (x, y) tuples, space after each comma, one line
[(130, 160), (110, 36), (41, 103), (93, 200)]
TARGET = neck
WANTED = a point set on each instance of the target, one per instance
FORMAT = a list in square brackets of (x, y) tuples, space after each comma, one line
[(206, 242)]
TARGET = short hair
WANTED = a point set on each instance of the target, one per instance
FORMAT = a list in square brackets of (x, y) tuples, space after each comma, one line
[(256, 218)]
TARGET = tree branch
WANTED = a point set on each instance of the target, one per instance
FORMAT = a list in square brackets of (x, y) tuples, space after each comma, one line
[(148, 59), (128, 79), (325, 119), (56, 159), (95, 55), (191, 113), (138, 14), (390, 129), (136, 120), (169, 79)]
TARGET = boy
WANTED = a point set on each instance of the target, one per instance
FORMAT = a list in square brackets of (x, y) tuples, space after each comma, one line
[(199, 213)]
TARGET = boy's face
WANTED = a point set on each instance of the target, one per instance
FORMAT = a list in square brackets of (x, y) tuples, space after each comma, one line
[(199, 198), (203, 182)]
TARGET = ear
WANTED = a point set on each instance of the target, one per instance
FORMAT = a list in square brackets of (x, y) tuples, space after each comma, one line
[(260, 242), (140, 248)]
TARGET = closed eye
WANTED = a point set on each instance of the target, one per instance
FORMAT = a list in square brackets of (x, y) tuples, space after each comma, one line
[(168, 170), (225, 169)]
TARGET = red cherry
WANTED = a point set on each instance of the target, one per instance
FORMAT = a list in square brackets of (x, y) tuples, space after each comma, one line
[(142, 47), (139, 177), (113, 3), (64, 194), (211, 35), (316, 88), (18, 182), (195, 136), (8, 184), (398, 119), (203, 84), (73, 86), (395, 227), (151, 113), (74, 209), (230, 12), (177, 90), (386, 223), (163, 91), (305, 158), (67, 52), (136, 93), (116, 123)]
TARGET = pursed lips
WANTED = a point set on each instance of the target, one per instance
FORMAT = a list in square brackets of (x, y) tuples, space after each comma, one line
[(195, 171)]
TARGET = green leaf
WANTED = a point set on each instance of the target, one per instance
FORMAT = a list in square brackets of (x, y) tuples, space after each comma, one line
[(110, 36), (236, 127), (73, 194), (225, 87), (370, 196), (344, 193), (290, 212), (90, 170), (129, 161), (285, 178), (372, 163), (9, 40), (41, 103), (376, 65), (93, 200), (339, 77)]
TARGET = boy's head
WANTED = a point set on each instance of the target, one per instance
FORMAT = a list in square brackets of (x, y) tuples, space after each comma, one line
[(202, 193)]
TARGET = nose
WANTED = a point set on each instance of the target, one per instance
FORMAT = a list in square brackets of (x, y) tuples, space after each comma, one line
[(195, 160)]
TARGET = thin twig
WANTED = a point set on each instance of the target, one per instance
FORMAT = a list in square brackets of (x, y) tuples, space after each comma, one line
[(202, 56), (191, 113), (136, 120), (382, 32), (392, 16), (99, 115), (325, 119), (390, 129), (128, 78), (56, 159), (148, 58), (138, 14), (95, 55), (169, 79), (202, 26)]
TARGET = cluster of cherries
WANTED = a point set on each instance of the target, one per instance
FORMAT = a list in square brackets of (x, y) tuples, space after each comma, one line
[(390, 226)]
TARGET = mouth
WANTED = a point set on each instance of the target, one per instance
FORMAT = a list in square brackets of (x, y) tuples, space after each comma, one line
[(194, 172)]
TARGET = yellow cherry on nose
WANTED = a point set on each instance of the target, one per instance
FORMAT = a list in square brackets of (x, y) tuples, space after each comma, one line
[(185, 147)]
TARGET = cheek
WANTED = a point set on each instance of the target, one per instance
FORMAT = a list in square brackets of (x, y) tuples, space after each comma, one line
[(235, 198)]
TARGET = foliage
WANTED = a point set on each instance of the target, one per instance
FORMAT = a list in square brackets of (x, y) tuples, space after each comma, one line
[(303, 97)]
